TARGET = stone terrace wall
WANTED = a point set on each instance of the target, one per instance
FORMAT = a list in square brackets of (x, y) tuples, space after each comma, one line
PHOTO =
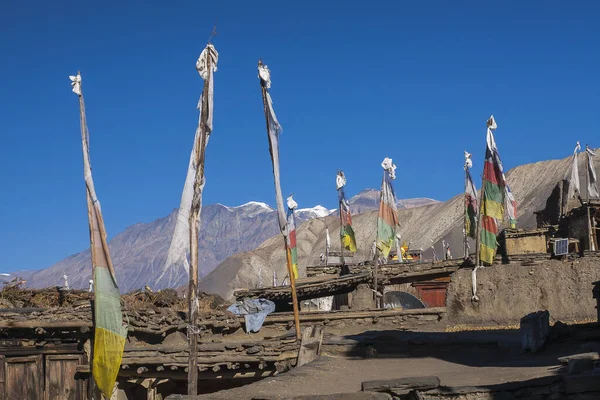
[(508, 292)]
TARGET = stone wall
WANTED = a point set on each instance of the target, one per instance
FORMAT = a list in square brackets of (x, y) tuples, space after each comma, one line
[(524, 244), (578, 229), (510, 291)]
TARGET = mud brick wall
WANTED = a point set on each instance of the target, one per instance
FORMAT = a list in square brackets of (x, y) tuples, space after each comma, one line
[(578, 229), (507, 292)]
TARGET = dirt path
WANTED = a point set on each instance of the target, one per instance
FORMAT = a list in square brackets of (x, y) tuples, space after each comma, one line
[(481, 358), (330, 375)]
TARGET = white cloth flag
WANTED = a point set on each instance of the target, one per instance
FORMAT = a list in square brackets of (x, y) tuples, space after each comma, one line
[(574, 187), (592, 186), (76, 83), (179, 249), (275, 130)]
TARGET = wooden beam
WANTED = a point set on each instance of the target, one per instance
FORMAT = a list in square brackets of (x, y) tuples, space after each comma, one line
[(181, 375), (33, 324), (336, 315)]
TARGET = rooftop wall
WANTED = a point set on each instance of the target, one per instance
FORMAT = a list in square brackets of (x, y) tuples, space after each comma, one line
[(507, 292)]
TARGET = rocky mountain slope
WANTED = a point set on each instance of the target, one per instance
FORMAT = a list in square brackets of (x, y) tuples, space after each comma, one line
[(368, 200), (421, 226), (139, 252)]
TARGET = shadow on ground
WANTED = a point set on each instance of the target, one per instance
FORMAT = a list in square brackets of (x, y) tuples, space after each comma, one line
[(485, 348)]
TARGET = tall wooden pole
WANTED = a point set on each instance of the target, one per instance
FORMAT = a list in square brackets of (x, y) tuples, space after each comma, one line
[(194, 222), (293, 286), (376, 266), (592, 245), (93, 391), (327, 244), (100, 255), (342, 260), (275, 156), (478, 237), (587, 174), (465, 234)]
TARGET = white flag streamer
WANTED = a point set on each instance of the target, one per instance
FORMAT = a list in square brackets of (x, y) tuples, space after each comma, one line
[(179, 248), (592, 186), (574, 187), (76, 83)]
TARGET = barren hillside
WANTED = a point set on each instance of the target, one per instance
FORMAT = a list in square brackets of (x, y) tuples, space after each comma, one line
[(531, 184)]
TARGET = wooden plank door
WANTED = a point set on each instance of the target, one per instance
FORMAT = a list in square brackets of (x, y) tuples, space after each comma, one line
[(310, 347), (60, 382), (24, 378), (2, 377)]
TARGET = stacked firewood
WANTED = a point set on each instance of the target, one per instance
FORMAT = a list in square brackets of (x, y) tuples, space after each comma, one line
[(279, 354), (142, 320)]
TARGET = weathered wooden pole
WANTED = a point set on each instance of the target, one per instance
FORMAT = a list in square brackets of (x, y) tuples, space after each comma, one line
[(327, 244), (93, 391), (342, 260), (106, 350), (199, 158), (480, 213), (273, 129), (587, 175), (591, 241), (465, 233)]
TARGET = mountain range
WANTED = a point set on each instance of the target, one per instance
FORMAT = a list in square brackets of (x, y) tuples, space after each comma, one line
[(422, 227), (139, 252), (241, 247)]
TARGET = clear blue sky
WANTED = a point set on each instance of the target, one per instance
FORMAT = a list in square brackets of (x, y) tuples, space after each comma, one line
[(353, 82)]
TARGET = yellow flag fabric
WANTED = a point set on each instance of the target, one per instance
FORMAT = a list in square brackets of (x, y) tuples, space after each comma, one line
[(109, 332)]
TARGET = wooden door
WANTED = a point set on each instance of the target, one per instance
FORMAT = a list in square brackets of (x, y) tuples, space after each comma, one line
[(60, 382), (24, 378), (2, 377), (432, 293)]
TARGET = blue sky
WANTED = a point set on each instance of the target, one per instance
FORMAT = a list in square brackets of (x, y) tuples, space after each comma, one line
[(353, 82)]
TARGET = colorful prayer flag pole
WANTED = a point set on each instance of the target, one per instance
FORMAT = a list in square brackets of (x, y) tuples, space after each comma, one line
[(387, 218), (493, 198), (273, 131), (291, 236), (347, 238), (387, 221), (109, 332)]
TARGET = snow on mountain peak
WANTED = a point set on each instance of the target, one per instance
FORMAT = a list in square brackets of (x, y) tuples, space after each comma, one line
[(257, 207), (249, 209), (316, 212), (256, 204)]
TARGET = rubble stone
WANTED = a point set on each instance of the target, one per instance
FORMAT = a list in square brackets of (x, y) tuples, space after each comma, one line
[(534, 330)]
